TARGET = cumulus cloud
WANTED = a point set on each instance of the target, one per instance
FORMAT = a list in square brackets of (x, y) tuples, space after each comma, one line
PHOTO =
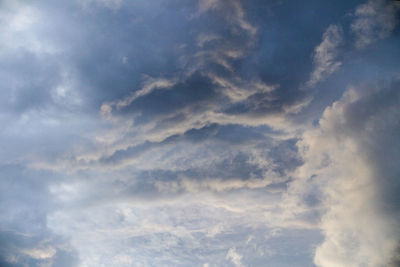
[(344, 158)]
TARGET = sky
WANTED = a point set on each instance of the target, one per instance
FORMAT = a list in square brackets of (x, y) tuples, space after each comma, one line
[(199, 133)]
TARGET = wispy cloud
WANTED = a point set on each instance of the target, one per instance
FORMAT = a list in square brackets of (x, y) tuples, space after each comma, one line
[(374, 20), (325, 55), (234, 257)]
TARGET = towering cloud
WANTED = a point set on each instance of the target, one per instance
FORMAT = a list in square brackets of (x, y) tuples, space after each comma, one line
[(350, 158)]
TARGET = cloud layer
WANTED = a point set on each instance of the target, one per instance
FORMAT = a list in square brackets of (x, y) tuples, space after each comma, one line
[(199, 133)]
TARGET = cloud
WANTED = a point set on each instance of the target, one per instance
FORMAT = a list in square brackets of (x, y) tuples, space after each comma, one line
[(234, 257), (374, 20), (344, 158), (370, 22), (237, 16), (174, 133), (25, 237), (112, 4), (134, 229), (149, 86), (205, 5), (325, 55)]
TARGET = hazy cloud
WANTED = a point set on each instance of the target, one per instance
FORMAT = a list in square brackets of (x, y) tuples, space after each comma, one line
[(325, 55), (178, 133), (374, 20)]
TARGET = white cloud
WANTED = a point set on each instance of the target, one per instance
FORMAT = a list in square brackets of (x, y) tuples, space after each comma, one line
[(237, 16), (21, 28), (40, 253), (325, 54), (372, 21), (190, 195), (234, 257), (238, 90), (343, 162), (115, 232), (203, 39), (205, 5)]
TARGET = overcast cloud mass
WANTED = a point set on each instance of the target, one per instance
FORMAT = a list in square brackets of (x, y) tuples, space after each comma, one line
[(199, 133)]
